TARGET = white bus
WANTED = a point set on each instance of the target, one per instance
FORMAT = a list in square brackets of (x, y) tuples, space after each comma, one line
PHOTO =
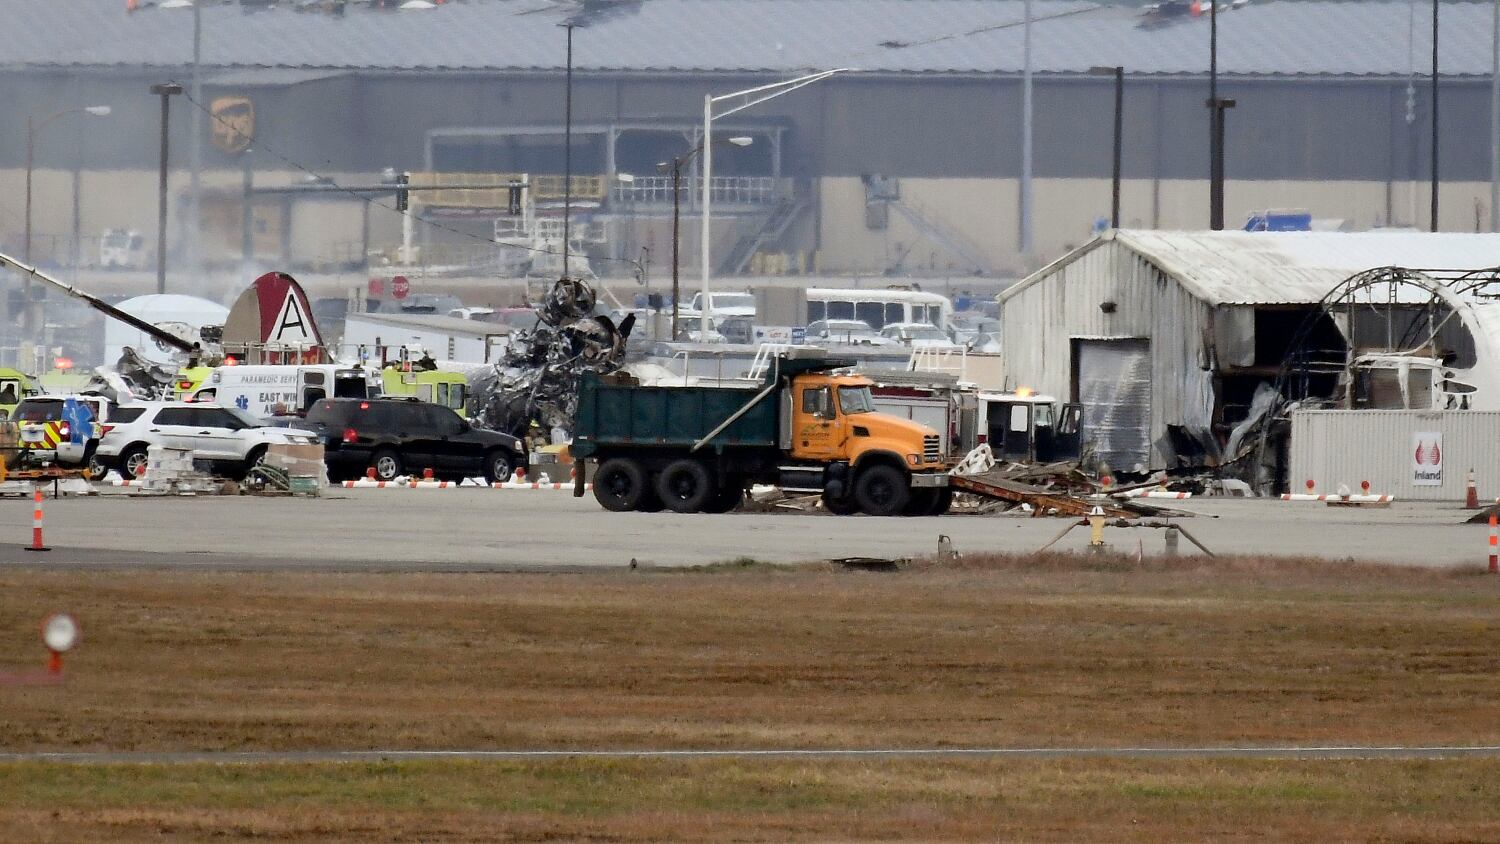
[(878, 308)]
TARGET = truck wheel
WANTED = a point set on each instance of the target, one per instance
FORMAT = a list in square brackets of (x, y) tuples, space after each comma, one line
[(922, 502), (386, 463), (686, 486), (727, 498), (650, 502), (944, 502), (620, 485), (881, 490), (839, 506)]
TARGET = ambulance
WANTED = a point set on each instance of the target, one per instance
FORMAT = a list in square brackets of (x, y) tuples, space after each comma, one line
[(280, 389), (15, 386), (449, 389)]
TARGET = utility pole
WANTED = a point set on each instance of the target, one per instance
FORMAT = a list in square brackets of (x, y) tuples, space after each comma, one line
[(1118, 72), (166, 92), (677, 236), (1495, 122), (1215, 125), (1434, 225), (568, 150), (195, 151), (1024, 241)]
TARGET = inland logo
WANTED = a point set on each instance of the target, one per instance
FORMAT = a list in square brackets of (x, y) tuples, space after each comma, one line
[(1427, 458)]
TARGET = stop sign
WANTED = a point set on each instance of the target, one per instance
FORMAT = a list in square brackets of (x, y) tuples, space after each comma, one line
[(400, 287)]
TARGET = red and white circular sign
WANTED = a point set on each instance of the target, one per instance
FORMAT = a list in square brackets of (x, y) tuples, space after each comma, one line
[(400, 287)]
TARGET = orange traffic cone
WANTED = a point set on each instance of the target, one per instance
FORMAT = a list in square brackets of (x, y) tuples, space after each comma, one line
[(1471, 497)]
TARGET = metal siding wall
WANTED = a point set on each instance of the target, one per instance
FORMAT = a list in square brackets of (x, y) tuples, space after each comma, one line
[(1335, 447), (1041, 321)]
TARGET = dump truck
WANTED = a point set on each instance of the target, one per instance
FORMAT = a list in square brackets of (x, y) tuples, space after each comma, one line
[(806, 427)]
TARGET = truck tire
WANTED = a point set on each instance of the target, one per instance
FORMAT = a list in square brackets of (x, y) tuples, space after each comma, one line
[(922, 502), (944, 502), (840, 506), (881, 490), (728, 497), (686, 486), (620, 485)]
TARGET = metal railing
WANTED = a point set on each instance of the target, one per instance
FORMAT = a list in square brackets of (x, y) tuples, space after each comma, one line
[(732, 190)]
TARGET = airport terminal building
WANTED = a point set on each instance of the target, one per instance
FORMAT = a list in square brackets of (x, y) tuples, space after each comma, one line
[(909, 164)]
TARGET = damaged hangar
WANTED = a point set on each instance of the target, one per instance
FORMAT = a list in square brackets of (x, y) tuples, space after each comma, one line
[(1165, 337)]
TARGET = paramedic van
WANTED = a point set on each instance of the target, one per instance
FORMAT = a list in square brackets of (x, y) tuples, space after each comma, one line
[(280, 390)]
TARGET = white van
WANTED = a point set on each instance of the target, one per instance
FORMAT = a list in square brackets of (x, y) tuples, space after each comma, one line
[(278, 390)]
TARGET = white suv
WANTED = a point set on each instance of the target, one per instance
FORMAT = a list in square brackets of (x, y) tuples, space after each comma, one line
[(230, 439)]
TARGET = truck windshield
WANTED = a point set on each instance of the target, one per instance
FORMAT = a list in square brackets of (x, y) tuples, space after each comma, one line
[(855, 400)]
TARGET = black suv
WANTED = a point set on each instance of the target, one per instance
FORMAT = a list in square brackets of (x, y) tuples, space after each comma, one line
[(399, 436)]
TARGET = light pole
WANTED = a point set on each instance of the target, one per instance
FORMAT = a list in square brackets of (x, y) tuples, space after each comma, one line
[(676, 165), (1217, 107), (33, 127), (1023, 187), (1434, 115), (1495, 121), (166, 91), (567, 149), (750, 97), (1118, 73)]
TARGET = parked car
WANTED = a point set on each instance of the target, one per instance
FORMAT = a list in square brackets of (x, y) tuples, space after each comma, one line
[(395, 436), (230, 440), (919, 335), (853, 332)]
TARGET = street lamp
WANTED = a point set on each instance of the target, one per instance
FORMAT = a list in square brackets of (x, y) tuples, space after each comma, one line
[(1118, 73), (676, 165), (166, 91), (32, 127), (750, 97)]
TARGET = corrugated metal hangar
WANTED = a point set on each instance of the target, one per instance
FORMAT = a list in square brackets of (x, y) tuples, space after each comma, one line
[(1166, 337)]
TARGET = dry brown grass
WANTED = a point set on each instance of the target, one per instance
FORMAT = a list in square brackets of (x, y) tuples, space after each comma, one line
[(758, 801), (1001, 653)]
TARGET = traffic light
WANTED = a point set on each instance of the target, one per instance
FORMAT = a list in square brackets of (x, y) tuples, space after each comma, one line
[(403, 196)]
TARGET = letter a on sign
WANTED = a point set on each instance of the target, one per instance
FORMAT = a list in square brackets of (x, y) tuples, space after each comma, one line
[(291, 324)]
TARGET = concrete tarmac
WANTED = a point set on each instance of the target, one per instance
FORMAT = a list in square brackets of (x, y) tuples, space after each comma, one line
[(498, 530)]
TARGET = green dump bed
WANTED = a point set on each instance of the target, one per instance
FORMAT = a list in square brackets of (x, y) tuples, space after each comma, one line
[(617, 415)]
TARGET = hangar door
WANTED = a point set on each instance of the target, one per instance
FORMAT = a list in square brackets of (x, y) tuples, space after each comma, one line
[(1112, 380)]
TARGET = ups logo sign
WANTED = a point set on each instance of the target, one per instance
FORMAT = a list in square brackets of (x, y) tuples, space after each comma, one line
[(233, 123)]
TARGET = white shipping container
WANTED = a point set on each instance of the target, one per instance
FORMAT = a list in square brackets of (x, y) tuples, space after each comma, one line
[(1333, 447)]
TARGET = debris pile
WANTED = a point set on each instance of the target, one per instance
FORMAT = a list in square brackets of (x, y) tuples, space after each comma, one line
[(536, 383)]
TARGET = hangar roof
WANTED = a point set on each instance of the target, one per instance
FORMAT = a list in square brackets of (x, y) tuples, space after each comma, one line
[(1268, 268), (1276, 37)]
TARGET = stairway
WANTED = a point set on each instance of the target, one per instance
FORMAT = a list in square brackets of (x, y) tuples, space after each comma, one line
[(771, 229), (959, 246)]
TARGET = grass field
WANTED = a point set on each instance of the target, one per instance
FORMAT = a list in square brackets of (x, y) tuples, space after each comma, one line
[(1052, 651)]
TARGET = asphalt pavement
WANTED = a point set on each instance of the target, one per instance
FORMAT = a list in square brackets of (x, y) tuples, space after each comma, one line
[(483, 529)]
